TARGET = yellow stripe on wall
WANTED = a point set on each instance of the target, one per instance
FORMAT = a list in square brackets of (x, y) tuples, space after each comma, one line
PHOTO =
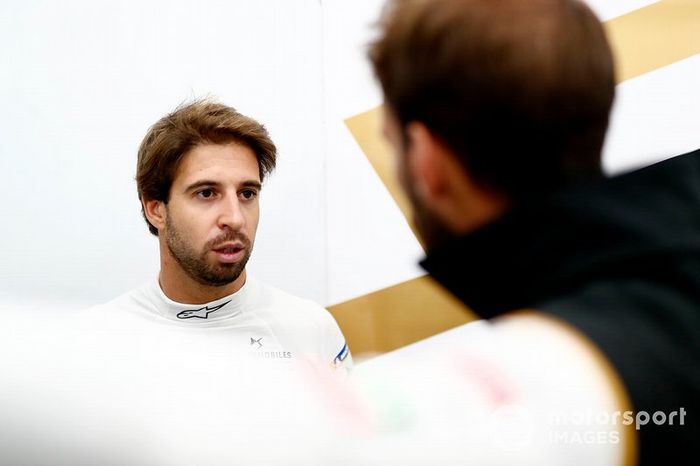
[(366, 128), (655, 36), (399, 315)]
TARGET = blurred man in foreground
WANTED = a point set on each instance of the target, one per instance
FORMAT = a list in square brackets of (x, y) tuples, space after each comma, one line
[(497, 111)]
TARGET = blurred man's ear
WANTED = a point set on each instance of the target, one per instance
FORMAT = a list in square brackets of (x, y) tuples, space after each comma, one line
[(427, 163), (155, 212), (444, 185)]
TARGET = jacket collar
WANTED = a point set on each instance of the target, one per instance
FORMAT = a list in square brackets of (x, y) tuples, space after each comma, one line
[(629, 224)]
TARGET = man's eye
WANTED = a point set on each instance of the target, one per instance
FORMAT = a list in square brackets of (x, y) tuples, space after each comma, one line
[(206, 193), (249, 194)]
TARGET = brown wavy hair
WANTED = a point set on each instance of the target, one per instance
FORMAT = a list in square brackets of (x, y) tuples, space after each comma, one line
[(520, 90), (192, 124)]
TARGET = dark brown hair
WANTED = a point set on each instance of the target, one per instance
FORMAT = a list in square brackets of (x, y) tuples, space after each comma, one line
[(520, 90), (190, 125)]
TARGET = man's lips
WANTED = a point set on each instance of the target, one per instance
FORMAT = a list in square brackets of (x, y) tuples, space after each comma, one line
[(230, 252)]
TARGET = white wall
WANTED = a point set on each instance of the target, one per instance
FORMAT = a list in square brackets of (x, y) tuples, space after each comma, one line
[(80, 83), (370, 243)]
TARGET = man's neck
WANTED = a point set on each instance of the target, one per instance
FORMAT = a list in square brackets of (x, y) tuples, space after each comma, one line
[(181, 288)]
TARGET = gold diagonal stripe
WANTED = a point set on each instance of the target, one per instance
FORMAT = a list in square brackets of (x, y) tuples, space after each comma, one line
[(366, 129), (642, 40), (654, 36), (399, 315)]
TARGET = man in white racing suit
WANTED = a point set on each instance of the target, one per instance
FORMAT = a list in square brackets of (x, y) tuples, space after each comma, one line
[(199, 174)]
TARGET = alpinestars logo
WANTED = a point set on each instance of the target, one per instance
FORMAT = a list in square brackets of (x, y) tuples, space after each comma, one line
[(201, 313)]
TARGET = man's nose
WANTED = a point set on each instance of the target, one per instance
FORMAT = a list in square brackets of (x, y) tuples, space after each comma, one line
[(231, 214)]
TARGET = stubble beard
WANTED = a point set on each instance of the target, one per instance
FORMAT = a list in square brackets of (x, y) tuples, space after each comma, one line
[(195, 264), (432, 231)]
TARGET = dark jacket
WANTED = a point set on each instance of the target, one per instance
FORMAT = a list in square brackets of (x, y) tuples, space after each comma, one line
[(619, 259)]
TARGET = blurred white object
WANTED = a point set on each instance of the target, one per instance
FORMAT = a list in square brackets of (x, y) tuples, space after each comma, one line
[(86, 394), (77, 393)]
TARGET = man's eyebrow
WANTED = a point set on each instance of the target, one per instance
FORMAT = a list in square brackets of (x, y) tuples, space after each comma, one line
[(251, 184), (215, 184), (201, 184)]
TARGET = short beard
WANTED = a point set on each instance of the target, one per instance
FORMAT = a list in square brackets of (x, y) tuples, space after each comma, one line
[(196, 266), (431, 230)]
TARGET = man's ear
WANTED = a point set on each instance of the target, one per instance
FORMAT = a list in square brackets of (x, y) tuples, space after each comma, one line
[(427, 163), (155, 212), (445, 186)]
